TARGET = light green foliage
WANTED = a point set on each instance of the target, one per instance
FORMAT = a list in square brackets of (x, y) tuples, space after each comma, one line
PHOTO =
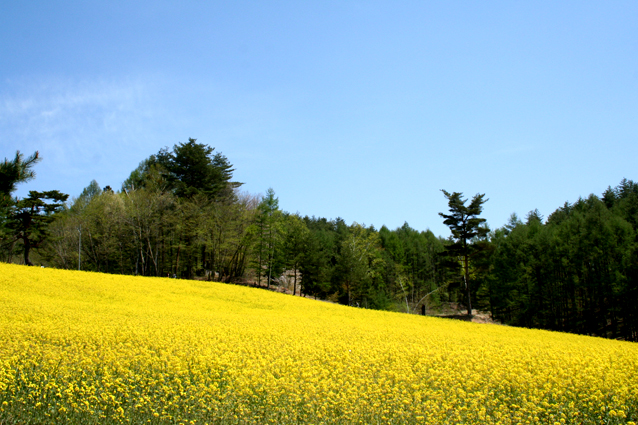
[(179, 214)]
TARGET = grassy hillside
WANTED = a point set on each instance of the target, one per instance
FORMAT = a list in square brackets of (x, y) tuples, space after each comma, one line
[(81, 347)]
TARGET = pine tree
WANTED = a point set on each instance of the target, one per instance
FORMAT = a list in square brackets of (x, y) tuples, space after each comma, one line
[(268, 238), (192, 169), (465, 225), (31, 216), (19, 170)]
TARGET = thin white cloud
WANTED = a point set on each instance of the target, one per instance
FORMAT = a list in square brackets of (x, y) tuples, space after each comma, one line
[(56, 107), (79, 127), (102, 128)]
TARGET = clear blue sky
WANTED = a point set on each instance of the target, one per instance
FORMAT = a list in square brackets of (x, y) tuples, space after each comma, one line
[(356, 109)]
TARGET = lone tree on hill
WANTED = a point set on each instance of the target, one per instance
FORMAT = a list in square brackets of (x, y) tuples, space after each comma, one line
[(465, 225)]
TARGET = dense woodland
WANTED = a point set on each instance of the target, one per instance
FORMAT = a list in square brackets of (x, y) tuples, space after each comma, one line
[(180, 214)]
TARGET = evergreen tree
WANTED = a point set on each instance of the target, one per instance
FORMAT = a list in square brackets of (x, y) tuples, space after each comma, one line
[(357, 263), (575, 273), (192, 169), (465, 225), (413, 266), (13, 172), (19, 170), (268, 230), (31, 216), (295, 236), (317, 253)]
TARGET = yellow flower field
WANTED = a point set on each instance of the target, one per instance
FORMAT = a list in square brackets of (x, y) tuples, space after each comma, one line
[(80, 347)]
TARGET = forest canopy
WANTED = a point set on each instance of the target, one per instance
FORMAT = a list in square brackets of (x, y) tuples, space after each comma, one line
[(181, 214)]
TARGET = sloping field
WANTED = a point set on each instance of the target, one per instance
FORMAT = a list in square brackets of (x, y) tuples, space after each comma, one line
[(79, 347)]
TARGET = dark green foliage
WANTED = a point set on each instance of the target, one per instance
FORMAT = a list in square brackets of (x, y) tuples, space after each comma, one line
[(191, 227), (317, 257), (188, 170), (30, 218), (357, 265), (12, 172), (25, 220), (623, 201), (575, 273), (467, 231), (295, 236), (413, 267), (268, 232), (191, 169), (179, 214), (18, 170)]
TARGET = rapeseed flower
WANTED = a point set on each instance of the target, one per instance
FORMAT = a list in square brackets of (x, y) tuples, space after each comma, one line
[(80, 347)]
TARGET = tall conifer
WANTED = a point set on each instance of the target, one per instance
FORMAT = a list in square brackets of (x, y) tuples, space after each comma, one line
[(465, 224)]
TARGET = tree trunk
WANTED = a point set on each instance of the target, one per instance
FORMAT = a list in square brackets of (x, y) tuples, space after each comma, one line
[(269, 270), (179, 248), (27, 249), (466, 277)]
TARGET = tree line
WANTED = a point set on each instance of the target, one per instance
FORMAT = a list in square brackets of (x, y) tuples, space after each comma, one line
[(575, 272), (180, 214)]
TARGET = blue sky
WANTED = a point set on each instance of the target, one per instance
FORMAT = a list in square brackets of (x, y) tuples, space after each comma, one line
[(356, 109)]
